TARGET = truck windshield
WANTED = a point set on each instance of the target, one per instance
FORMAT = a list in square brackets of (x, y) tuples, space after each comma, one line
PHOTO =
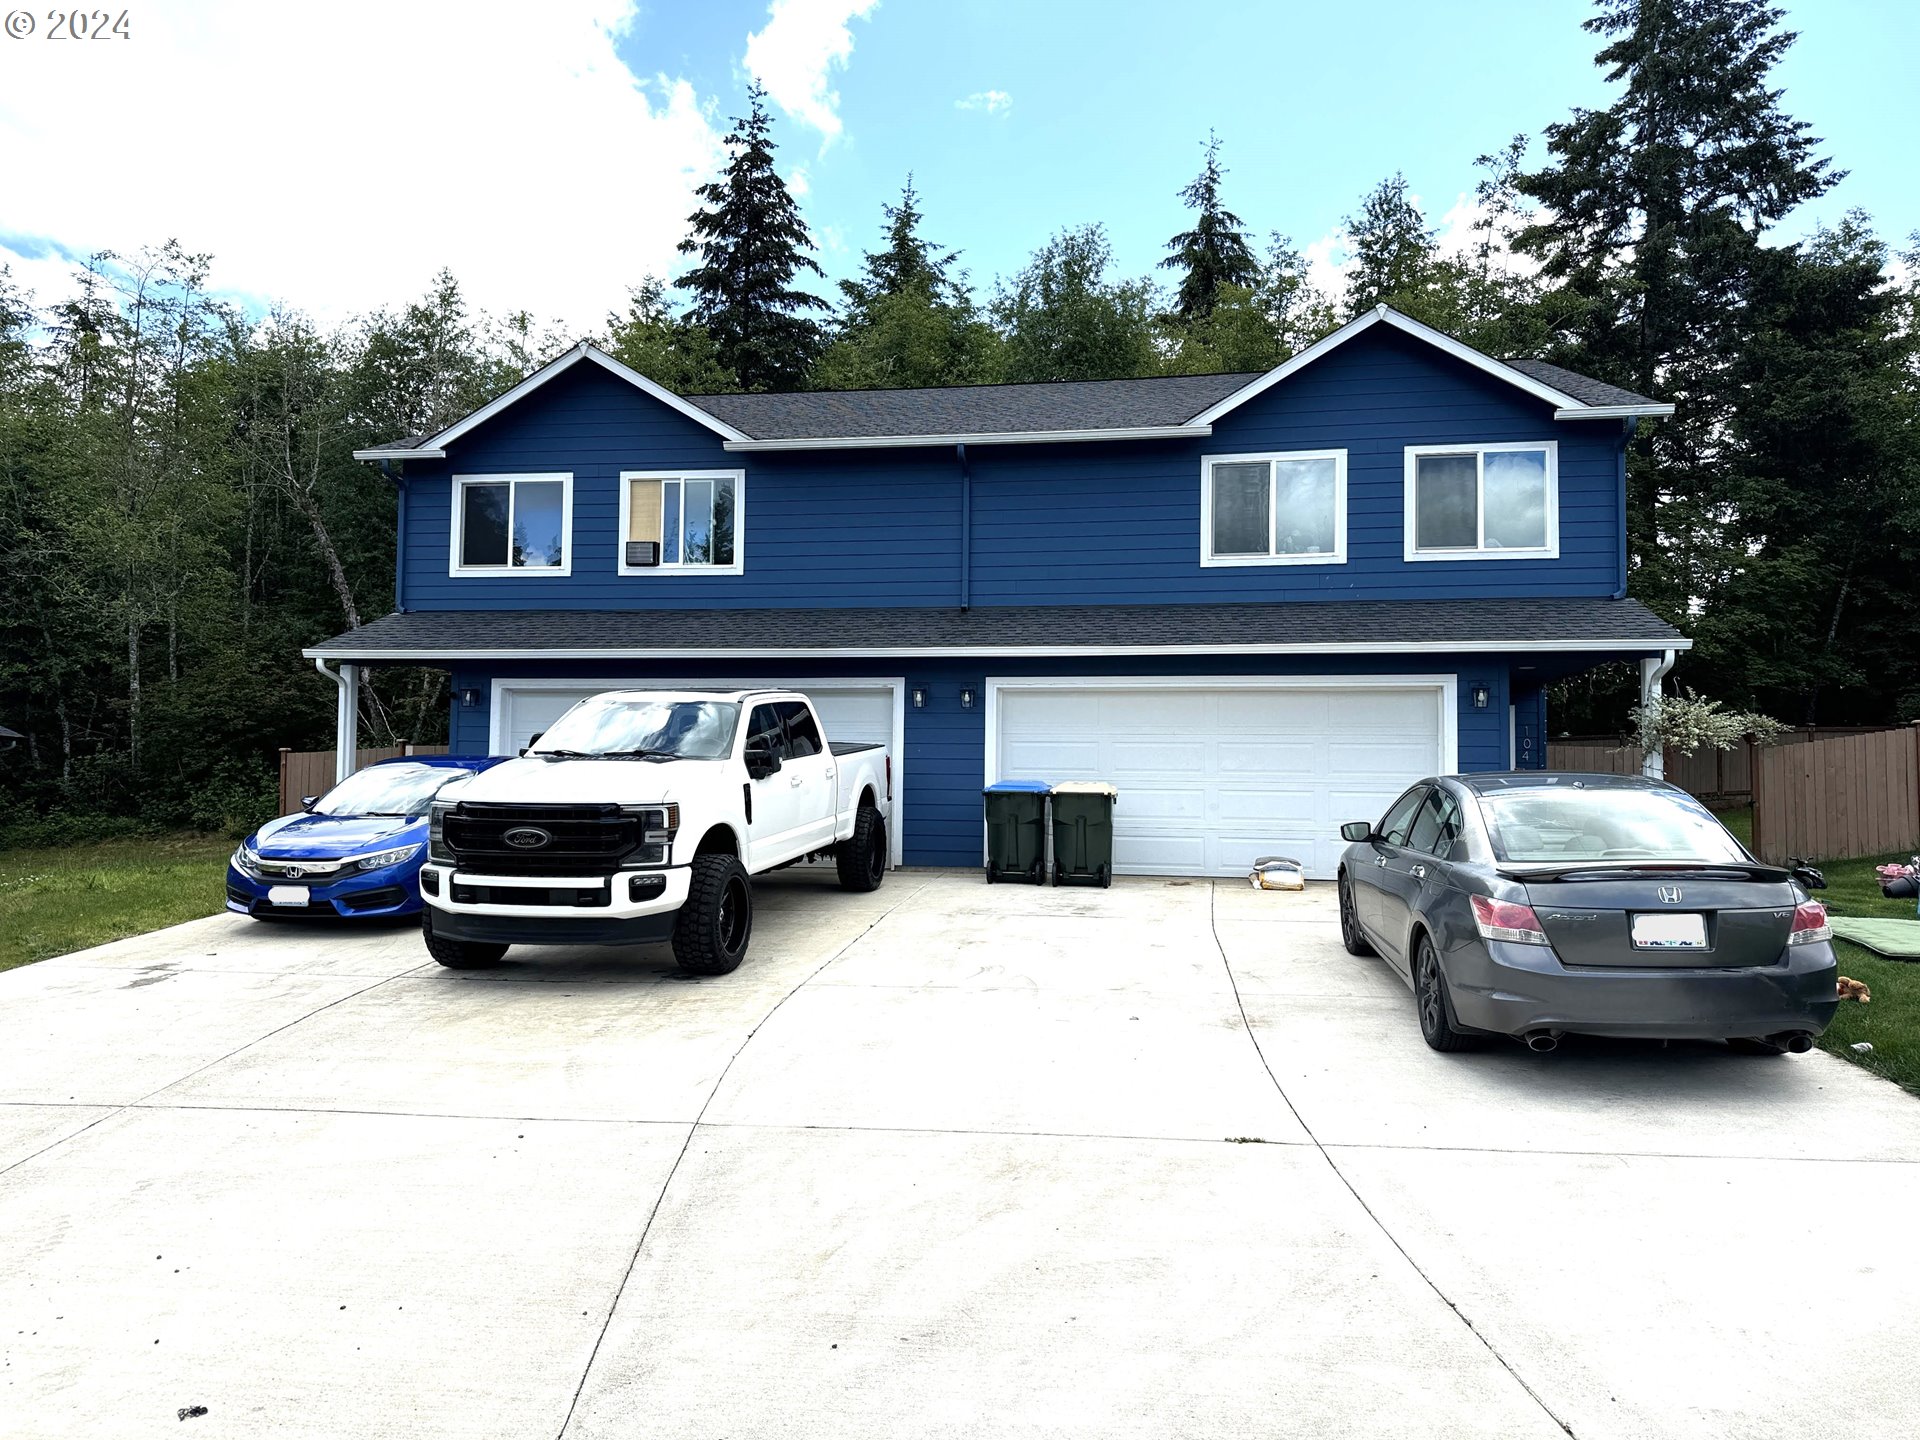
[(611, 725), (388, 790)]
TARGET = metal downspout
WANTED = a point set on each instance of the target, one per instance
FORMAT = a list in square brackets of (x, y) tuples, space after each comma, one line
[(346, 716), (966, 529), (1654, 763)]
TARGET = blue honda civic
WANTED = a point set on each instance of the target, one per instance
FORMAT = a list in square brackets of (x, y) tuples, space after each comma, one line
[(356, 850)]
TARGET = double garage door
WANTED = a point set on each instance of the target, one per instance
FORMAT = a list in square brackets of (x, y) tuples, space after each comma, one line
[(1214, 775), (868, 713)]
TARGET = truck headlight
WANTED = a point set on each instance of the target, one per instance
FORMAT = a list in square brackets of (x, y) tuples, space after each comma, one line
[(437, 850), (658, 824), (382, 859)]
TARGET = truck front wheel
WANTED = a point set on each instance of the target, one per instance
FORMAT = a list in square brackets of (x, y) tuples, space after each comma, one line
[(710, 936), (862, 857), (458, 954)]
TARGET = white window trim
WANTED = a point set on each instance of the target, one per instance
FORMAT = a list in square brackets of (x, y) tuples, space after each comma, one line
[(738, 567), (1549, 551), (456, 526), (1337, 556)]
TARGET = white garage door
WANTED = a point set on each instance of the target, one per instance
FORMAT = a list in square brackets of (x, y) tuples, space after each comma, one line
[(851, 711), (1213, 776)]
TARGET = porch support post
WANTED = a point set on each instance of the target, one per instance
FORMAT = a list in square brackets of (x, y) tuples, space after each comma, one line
[(1653, 763)]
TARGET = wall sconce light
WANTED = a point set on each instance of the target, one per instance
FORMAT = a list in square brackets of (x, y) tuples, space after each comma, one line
[(966, 699), (469, 699), (919, 698), (1480, 697)]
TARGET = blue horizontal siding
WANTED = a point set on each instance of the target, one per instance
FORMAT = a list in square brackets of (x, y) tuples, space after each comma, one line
[(944, 766), (1115, 523)]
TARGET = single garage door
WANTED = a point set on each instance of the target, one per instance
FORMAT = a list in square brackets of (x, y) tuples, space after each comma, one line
[(1212, 776), (854, 710)]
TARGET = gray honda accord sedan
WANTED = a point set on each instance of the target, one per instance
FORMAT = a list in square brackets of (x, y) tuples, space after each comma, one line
[(1536, 904)]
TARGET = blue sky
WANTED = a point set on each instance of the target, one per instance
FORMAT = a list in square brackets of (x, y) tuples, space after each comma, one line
[(547, 153)]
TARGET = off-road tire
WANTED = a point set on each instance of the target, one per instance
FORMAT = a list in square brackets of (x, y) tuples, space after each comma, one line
[(711, 934), (1434, 1004), (1351, 935), (458, 954), (861, 858)]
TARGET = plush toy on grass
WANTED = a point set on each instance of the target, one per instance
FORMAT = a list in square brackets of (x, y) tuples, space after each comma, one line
[(1853, 989)]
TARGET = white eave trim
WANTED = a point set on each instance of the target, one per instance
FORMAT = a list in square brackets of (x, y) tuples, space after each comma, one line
[(1613, 412), (435, 447), (1566, 407), (871, 652), (999, 437)]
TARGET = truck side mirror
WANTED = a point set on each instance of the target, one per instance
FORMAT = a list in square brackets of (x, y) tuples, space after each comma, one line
[(761, 759), (1356, 831)]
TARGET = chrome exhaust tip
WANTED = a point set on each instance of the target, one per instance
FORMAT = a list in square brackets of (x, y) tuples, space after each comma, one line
[(1799, 1042), (1542, 1042)]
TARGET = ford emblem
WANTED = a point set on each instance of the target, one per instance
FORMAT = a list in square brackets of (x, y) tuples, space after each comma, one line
[(1670, 894), (527, 837)]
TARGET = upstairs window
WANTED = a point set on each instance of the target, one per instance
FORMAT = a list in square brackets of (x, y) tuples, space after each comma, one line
[(1483, 502), (512, 525), (686, 520), (1282, 508)]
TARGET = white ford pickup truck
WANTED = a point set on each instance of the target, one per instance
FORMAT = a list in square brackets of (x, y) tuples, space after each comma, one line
[(641, 816)]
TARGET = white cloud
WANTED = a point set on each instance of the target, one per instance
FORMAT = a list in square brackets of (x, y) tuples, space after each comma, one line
[(801, 43), (336, 163), (994, 102), (799, 182)]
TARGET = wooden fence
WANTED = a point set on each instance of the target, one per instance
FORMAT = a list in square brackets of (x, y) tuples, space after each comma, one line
[(1838, 796), (310, 772), (1722, 778)]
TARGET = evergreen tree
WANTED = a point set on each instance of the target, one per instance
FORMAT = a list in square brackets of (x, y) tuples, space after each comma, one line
[(1214, 253), (1256, 327), (668, 349), (751, 243), (1652, 214), (1063, 319), (1395, 259), (909, 319)]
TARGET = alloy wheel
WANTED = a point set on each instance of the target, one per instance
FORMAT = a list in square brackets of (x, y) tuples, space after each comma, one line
[(733, 915)]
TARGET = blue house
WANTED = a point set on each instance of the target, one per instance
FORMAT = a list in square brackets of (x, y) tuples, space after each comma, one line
[(1260, 604)]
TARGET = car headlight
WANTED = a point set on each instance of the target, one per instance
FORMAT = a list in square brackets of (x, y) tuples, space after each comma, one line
[(246, 861), (384, 858)]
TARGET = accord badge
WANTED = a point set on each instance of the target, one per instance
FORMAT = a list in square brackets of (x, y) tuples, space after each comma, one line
[(527, 837)]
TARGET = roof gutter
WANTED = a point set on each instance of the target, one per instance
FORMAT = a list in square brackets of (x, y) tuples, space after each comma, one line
[(1649, 411), (998, 437)]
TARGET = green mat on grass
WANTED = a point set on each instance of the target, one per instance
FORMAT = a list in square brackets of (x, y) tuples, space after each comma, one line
[(1895, 939)]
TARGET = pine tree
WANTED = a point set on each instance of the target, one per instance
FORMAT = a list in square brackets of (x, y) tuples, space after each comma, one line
[(1653, 211), (1214, 253), (1396, 261), (752, 243)]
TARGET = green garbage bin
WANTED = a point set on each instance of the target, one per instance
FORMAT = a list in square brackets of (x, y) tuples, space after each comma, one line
[(1083, 832), (1017, 831)]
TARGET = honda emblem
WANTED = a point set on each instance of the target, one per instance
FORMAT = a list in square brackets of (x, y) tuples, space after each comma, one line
[(1670, 894)]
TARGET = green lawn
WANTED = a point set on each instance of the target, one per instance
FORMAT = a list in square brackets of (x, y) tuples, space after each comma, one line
[(1891, 1022), (55, 901)]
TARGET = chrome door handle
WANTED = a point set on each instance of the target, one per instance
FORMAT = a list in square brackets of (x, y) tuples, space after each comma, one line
[(796, 782), (1419, 872), (1381, 861)]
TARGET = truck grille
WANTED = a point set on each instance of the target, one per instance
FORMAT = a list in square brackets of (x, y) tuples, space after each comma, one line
[(581, 839)]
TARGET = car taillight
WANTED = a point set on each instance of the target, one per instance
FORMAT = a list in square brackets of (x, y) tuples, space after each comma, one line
[(1810, 924), (1504, 920)]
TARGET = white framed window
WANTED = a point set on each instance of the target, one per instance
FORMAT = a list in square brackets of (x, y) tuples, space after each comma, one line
[(696, 517), (511, 525), (1277, 508), (1483, 502)]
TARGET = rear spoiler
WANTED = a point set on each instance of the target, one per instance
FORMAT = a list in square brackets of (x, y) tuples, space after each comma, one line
[(1648, 870)]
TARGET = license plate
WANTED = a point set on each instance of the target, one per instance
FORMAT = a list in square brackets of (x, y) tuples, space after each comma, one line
[(1670, 932), (288, 895)]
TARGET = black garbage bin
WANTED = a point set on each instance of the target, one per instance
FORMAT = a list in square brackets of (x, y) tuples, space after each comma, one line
[(1083, 832), (1017, 831)]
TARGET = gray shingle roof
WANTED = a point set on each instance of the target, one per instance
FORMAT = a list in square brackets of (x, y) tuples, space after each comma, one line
[(1411, 625), (974, 409), (1584, 388)]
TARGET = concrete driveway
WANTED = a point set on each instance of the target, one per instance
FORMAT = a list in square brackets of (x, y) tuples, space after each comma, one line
[(944, 1160)]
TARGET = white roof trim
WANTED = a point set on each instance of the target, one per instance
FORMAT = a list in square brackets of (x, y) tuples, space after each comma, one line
[(1566, 407), (435, 447), (869, 652), (1652, 409), (1000, 437)]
